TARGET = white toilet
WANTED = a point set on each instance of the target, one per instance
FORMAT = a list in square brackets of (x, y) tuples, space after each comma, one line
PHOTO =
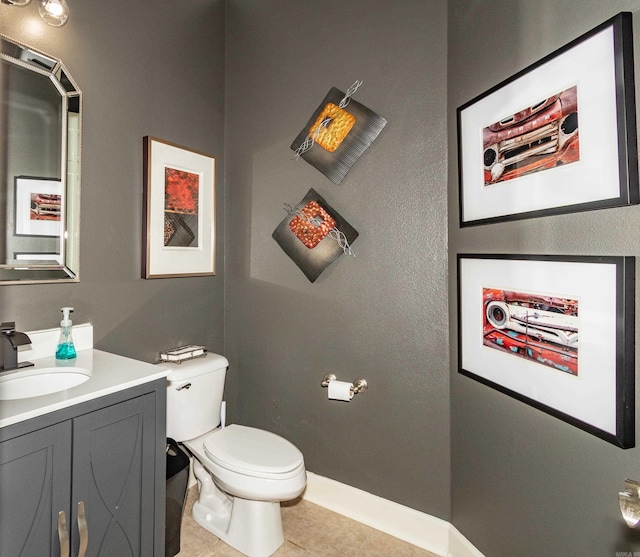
[(243, 473)]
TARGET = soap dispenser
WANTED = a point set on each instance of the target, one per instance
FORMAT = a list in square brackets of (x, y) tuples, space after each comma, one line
[(66, 350)]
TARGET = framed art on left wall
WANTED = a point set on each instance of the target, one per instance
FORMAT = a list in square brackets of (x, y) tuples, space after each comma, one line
[(179, 211)]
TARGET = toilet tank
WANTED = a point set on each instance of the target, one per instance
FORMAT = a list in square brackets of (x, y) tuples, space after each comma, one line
[(194, 396)]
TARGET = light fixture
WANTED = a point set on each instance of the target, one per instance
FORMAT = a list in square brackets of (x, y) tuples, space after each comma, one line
[(54, 12)]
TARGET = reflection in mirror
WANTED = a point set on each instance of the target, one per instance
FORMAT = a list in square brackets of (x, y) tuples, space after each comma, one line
[(40, 131)]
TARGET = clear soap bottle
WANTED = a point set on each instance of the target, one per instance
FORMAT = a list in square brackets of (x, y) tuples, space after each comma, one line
[(66, 350)]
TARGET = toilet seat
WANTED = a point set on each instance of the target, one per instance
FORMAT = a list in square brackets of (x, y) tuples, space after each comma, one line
[(253, 452)]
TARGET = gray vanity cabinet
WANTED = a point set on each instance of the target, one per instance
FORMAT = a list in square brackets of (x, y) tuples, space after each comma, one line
[(107, 454), (34, 485)]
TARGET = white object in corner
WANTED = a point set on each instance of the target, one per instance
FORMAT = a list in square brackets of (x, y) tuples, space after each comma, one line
[(459, 546), (420, 529), (45, 342)]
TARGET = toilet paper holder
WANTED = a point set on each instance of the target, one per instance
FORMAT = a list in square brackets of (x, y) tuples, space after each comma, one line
[(357, 386)]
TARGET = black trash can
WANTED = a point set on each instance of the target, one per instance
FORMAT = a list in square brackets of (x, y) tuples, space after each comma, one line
[(177, 480)]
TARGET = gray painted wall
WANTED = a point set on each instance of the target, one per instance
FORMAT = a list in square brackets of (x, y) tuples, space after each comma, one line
[(152, 68), (524, 483), (382, 315), (144, 68)]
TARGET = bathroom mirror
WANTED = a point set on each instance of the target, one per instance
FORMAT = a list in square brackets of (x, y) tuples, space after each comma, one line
[(40, 130)]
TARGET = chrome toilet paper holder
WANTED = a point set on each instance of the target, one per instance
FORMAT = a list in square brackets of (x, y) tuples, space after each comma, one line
[(357, 386)]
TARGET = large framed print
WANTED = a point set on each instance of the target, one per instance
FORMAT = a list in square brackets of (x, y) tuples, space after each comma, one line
[(556, 332), (179, 217), (557, 137)]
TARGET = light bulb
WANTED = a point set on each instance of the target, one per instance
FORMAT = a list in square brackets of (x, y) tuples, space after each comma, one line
[(54, 12)]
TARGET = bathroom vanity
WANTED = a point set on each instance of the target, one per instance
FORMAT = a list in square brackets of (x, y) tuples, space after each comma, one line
[(84, 468)]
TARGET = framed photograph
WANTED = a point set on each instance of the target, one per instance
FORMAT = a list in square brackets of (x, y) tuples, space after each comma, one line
[(557, 137), (179, 212), (39, 204), (554, 332)]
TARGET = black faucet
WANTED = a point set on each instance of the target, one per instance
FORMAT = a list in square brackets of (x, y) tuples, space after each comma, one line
[(11, 339)]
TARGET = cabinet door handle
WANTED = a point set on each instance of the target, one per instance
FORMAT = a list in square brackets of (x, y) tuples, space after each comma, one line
[(63, 535), (83, 530)]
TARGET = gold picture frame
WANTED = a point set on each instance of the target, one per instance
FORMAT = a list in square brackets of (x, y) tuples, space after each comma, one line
[(179, 211)]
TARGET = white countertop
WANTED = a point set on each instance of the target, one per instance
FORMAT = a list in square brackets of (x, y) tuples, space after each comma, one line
[(110, 373)]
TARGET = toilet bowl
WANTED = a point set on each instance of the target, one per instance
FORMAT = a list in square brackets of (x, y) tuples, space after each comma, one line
[(243, 473), (251, 463)]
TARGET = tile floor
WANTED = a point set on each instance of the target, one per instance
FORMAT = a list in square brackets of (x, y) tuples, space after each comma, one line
[(309, 530)]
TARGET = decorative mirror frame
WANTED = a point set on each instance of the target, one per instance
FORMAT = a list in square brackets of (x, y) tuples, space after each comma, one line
[(67, 269)]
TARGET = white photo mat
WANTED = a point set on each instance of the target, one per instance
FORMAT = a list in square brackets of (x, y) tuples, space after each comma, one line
[(591, 397), (591, 66), (170, 261), (25, 225)]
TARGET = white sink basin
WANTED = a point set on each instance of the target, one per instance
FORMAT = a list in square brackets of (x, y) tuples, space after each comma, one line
[(30, 382)]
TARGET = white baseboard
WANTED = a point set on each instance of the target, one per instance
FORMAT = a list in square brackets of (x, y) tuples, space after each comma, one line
[(459, 546), (420, 529)]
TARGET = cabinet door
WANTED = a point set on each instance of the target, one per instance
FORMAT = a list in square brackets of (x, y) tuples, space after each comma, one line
[(35, 483), (114, 476)]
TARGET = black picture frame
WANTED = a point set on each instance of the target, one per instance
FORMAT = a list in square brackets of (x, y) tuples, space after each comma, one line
[(555, 332), (557, 137)]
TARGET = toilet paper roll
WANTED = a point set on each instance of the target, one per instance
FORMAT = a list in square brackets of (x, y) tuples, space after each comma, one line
[(340, 390)]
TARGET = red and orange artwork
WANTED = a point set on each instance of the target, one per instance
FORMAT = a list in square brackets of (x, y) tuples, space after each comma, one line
[(539, 328), (181, 191), (45, 206), (539, 137), (181, 194), (312, 224)]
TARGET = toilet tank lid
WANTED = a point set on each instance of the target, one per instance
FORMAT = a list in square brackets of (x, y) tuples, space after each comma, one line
[(197, 366)]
